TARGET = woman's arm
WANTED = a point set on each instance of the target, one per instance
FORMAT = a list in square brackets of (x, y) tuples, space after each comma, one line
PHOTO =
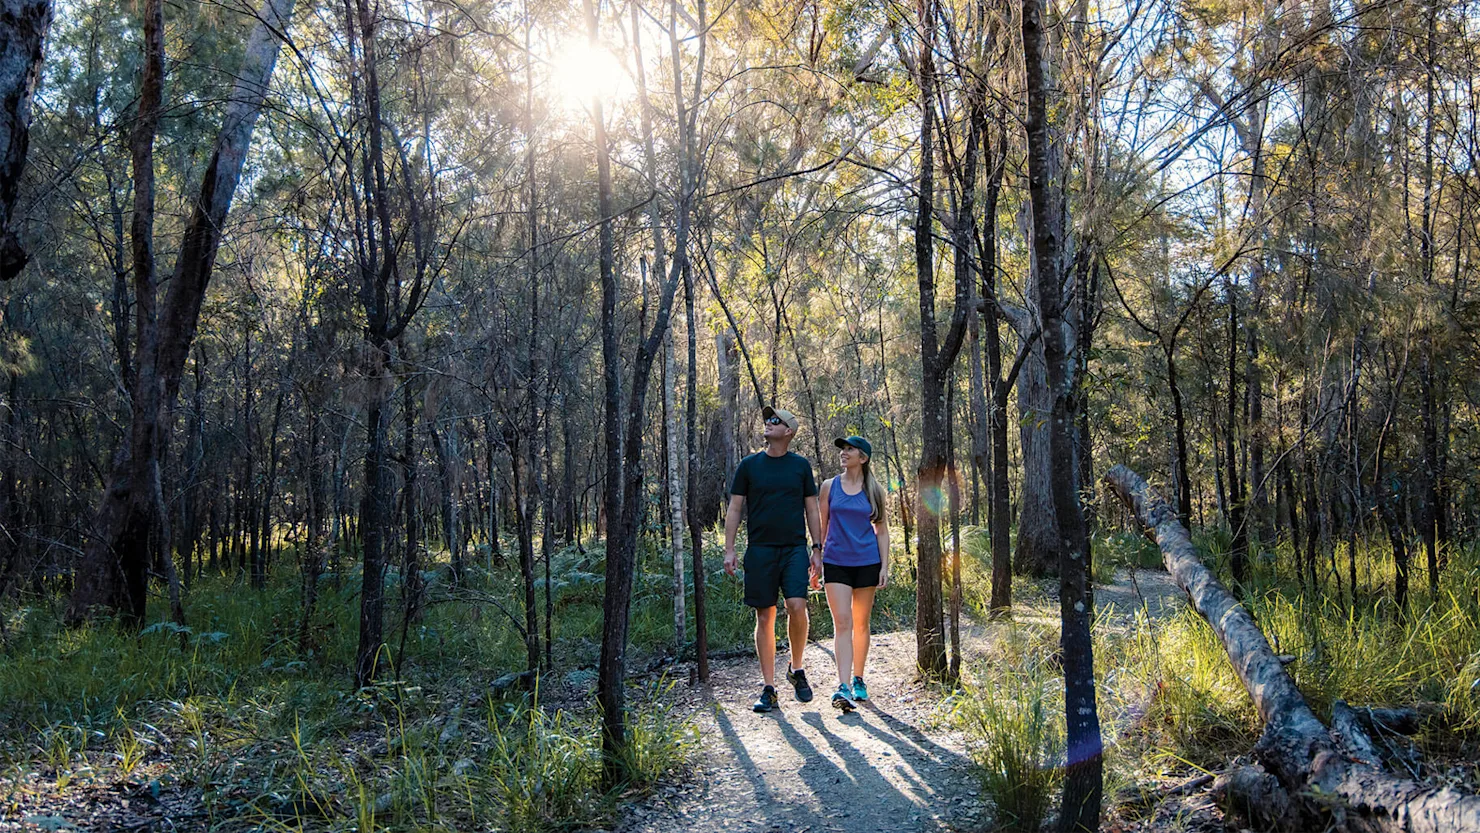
[(881, 529), (822, 506)]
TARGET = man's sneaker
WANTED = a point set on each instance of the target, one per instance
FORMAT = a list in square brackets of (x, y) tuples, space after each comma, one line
[(798, 680), (860, 691), (842, 700), (767, 700)]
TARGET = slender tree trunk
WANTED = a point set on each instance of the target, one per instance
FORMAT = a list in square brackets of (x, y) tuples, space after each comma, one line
[(936, 359), (1179, 420), (524, 510), (313, 551), (1083, 782), (1238, 526), (375, 508), (412, 587), (625, 475), (269, 488), (445, 444), (696, 524), (495, 551)]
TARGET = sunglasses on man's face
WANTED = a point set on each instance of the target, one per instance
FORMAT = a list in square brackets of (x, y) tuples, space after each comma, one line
[(774, 421)]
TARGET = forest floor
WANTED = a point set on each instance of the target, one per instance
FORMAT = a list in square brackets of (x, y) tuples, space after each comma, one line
[(897, 764), (893, 765)]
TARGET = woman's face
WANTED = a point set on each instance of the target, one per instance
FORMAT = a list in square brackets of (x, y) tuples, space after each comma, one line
[(850, 456)]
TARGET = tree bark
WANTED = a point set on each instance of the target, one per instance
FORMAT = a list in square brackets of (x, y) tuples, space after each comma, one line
[(1324, 779), (696, 524), (625, 474), (1083, 776), (936, 359), (23, 27), (446, 446)]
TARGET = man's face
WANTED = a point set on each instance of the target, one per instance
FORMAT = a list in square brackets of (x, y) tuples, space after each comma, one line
[(775, 429)]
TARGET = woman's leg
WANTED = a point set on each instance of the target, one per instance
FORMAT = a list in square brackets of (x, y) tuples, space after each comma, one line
[(863, 609), (840, 600)]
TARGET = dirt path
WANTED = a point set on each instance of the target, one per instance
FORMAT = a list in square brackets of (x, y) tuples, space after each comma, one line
[(806, 768), (892, 767)]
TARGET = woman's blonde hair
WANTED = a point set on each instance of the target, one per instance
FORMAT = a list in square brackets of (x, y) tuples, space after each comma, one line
[(878, 499)]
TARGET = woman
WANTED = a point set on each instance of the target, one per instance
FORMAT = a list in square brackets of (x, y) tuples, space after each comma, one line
[(855, 562)]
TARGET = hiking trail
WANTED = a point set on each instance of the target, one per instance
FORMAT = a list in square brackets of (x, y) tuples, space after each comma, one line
[(893, 766)]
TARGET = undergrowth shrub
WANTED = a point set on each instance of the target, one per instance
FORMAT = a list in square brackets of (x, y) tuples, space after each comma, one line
[(1013, 720)]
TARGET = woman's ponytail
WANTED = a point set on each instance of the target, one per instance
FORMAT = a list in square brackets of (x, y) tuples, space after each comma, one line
[(878, 499)]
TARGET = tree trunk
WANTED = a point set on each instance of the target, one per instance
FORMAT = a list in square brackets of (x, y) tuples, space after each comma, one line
[(448, 459), (999, 504), (313, 550), (1326, 780), (524, 510), (696, 523), (1038, 526), (936, 359), (625, 475), (269, 489), (412, 589), (1083, 777), (23, 26), (113, 572), (1179, 419), (375, 508), (1237, 521)]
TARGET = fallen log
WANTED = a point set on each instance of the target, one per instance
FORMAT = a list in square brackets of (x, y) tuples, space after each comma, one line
[(1328, 779)]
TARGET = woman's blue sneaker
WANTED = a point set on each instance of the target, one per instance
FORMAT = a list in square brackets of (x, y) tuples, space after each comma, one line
[(860, 691), (841, 699)]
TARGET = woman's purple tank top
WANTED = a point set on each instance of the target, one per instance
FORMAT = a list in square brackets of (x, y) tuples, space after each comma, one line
[(851, 540)]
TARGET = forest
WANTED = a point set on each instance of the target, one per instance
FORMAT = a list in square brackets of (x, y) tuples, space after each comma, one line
[(373, 375)]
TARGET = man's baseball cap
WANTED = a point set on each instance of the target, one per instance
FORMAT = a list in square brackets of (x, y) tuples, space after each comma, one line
[(856, 442), (783, 415)]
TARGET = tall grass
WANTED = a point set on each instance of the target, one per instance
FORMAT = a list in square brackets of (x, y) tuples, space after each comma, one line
[(1170, 703), (1015, 722)]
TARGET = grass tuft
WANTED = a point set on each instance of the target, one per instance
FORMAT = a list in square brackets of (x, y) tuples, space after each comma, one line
[(1015, 722)]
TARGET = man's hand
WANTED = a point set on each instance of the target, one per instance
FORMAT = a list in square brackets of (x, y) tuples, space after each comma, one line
[(731, 562), (814, 570)]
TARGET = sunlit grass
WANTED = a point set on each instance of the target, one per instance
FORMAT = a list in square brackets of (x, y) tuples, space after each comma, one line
[(1170, 703)]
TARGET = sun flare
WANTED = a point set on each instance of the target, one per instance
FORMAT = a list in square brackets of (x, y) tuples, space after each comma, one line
[(581, 72)]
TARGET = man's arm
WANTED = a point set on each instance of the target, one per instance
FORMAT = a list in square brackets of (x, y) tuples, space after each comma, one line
[(814, 524), (732, 526)]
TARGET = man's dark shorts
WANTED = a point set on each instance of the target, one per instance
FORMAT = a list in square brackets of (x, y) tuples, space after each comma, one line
[(769, 570), (866, 575)]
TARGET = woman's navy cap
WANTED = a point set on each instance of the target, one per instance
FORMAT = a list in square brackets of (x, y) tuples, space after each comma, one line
[(857, 442)]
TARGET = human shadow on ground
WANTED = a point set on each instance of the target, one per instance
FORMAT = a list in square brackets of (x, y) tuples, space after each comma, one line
[(821, 774), (859, 767), (920, 742), (772, 811)]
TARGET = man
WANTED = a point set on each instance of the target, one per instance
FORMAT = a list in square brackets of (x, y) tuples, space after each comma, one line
[(779, 495)]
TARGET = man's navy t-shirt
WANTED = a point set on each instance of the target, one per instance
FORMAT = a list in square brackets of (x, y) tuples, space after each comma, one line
[(775, 489)]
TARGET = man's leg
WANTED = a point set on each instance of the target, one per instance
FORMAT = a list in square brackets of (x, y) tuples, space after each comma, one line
[(765, 642), (797, 626), (863, 608), (840, 602)]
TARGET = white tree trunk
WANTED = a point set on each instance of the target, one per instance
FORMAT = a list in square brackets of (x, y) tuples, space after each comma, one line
[(675, 488), (1312, 777)]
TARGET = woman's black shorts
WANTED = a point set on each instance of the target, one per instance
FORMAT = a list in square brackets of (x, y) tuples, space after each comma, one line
[(866, 575)]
